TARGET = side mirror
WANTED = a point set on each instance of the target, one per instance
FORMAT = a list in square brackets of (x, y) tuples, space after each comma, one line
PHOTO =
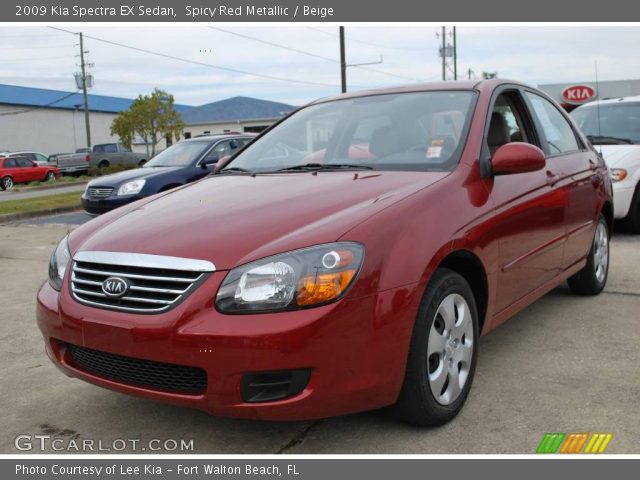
[(517, 157), (223, 162), (209, 160)]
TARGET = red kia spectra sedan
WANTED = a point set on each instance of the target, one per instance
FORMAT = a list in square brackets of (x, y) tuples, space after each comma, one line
[(348, 259)]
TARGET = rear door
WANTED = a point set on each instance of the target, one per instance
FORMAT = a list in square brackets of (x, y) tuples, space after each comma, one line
[(575, 167), (11, 169), (29, 170), (530, 209)]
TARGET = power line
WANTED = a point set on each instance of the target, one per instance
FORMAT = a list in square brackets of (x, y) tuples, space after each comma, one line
[(202, 64), (354, 40), (303, 52), (273, 44)]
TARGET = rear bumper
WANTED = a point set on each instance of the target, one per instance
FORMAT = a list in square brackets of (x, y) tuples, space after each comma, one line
[(356, 349), (103, 205)]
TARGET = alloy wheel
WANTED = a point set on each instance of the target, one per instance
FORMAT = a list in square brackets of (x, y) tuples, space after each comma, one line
[(601, 252)]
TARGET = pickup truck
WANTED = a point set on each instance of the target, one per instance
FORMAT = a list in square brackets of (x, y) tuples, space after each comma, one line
[(101, 156)]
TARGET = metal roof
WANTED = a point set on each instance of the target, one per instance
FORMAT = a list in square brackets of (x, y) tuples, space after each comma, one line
[(45, 98), (236, 109)]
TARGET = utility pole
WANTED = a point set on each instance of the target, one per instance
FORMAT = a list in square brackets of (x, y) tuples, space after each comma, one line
[(343, 61), (444, 53), (84, 92), (455, 55)]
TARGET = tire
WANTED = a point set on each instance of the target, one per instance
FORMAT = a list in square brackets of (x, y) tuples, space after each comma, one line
[(6, 183), (50, 177), (593, 277), (429, 396), (631, 222), (103, 164)]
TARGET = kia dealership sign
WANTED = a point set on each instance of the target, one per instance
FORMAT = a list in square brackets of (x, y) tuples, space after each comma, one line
[(578, 94)]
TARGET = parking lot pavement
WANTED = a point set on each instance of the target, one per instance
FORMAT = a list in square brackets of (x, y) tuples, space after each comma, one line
[(72, 219), (565, 364)]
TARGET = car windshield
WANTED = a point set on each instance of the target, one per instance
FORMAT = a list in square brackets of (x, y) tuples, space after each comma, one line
[(179, 155), (420, 131), (613, 124)]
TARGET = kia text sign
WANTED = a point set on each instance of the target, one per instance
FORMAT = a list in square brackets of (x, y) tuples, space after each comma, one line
[(578, 94)]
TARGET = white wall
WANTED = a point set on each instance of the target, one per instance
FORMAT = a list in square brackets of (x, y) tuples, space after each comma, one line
[(215, 128), (50, 130)]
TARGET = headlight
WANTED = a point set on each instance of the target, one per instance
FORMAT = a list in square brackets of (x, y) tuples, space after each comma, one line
[(618, 174), (58, 263), (299, 279), (131, 188)]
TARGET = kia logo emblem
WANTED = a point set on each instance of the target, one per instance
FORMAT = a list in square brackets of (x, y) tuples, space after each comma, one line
[(115, 287), (577, 94)]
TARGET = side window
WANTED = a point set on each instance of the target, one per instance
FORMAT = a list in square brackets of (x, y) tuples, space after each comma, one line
[(557, 130), (10, 163), (506, 125), (24, 162), (222, 149), (41, 158)]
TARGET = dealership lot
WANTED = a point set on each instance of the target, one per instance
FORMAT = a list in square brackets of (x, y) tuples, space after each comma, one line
[(565, 364)]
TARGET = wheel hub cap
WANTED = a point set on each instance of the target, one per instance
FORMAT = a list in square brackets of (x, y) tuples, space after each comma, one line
[(450, 349)]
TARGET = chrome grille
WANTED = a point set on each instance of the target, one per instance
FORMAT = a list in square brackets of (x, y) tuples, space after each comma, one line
[(99, 192), (155, 283)]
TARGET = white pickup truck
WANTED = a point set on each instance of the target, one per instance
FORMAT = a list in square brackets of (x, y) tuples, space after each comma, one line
[(101, 156), (613, 126)]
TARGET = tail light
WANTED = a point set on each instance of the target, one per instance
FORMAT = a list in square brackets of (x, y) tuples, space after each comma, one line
[(87, 158)]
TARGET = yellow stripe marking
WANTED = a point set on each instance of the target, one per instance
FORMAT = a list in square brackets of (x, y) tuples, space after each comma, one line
[(598, 442), (590, 444), (605, 443)]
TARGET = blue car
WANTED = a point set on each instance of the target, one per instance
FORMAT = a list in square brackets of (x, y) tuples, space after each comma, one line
[(182, 163)]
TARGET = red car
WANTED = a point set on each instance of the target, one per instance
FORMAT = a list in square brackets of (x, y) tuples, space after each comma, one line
[(341, 285), (16, 169)]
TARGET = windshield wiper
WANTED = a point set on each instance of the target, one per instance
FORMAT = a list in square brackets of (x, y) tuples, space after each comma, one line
[(607, 140), (232, 170), (324, 166)]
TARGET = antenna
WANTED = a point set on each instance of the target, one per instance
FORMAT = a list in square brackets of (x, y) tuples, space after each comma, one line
[(598, 102)]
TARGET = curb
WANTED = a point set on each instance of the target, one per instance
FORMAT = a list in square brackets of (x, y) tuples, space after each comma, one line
[(55, 186), (12, 217)]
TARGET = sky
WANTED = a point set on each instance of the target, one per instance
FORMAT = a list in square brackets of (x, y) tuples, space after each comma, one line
[(308, 68)]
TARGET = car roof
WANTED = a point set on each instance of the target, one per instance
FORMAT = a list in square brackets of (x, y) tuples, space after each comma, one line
[(219, 136), (478, 85), (612, 101)]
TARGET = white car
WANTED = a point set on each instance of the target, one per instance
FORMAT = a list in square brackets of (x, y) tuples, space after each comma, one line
[(613, 126)]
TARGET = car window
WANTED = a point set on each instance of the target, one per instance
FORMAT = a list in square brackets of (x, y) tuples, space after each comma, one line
[(610, 124), (179, 155), (415, 131), (41, 158), (558, 132), (106, 148), (24, 162), (10, 163), (227, 147), (506, 124)]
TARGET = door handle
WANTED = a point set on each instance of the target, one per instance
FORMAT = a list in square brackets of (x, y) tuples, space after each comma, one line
[(552, 178)]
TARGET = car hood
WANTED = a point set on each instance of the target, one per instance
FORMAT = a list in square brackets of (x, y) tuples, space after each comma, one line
[(618, 155), (116, 179), (233, 219)]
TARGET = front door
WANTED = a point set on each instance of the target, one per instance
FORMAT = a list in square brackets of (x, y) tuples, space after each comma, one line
[(530, 209)]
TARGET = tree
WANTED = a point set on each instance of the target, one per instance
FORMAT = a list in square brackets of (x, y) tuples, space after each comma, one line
[(151, 117)]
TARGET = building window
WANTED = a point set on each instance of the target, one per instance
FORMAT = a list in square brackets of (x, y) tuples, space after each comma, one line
[(257, 129), (187, 135), (207, 132), (169, 140)]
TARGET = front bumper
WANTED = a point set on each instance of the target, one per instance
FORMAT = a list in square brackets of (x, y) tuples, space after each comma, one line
[(622, 197), (356, 349), (96, 206)]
